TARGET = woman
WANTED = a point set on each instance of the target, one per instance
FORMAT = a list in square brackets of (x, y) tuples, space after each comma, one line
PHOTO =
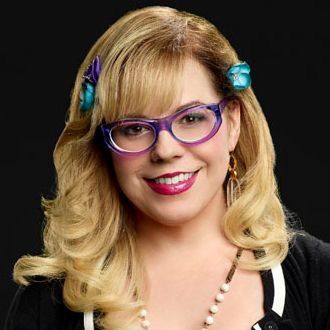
[(167, 213)]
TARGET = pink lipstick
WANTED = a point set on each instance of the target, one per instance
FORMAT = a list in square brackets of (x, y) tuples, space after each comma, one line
[(173, 188)]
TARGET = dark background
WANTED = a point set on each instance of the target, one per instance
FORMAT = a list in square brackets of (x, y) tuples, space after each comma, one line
[(42, 46)]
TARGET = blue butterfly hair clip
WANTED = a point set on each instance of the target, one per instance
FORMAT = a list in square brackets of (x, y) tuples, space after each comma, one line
[(239, 76), (91, 76)]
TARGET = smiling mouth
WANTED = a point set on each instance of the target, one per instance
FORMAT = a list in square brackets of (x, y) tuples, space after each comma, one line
[(173, 185), (173, 180)]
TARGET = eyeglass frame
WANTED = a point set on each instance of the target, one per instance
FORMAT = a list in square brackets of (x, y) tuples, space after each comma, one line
[(159, 124)]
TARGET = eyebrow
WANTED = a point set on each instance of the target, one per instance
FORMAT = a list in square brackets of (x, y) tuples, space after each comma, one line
[(189, 104), (181, 107)]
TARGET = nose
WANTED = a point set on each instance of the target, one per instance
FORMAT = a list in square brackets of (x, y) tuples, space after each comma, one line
[(166, 147)]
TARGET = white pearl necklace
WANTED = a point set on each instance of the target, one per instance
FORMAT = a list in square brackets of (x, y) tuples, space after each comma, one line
[(219, 298)]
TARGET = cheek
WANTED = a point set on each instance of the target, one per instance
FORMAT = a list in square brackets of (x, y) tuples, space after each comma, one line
[(122, 167), (216, 149), (215, 155), (126, 170)]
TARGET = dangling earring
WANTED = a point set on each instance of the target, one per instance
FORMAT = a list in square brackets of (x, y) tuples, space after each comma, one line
[(233, 185)]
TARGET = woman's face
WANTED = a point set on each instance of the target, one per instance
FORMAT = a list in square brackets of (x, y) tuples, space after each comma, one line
[(210, 159)]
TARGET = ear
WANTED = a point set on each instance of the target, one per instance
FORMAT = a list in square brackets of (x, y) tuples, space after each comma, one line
[(233, 115)]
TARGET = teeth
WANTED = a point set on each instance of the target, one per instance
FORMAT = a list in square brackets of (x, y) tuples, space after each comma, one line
[(175, 179)]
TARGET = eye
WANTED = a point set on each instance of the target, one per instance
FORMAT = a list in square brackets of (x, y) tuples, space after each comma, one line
[(134, 130), (192, 118)]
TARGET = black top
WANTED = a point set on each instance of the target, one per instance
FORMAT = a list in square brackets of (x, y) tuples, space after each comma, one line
[(304, 292)]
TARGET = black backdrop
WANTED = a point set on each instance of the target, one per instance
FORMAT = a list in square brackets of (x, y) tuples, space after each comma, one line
[(42, 46)]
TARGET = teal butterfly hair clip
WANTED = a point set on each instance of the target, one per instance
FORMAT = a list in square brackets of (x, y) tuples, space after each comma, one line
[(91, 76), (239, 76)]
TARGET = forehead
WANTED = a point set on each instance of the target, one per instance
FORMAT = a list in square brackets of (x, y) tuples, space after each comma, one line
[(195, 87), (154, 115), (158, 90)]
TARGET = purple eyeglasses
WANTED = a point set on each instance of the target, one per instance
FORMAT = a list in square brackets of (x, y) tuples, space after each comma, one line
[(192, 126)]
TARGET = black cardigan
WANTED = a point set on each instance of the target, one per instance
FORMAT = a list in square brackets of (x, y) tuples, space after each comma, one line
[(299, 300)]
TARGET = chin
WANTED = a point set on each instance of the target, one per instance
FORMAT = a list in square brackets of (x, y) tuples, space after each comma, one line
[(172, 222), (174, 216)]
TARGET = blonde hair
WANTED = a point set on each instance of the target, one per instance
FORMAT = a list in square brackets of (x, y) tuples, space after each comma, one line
[(89, 237)]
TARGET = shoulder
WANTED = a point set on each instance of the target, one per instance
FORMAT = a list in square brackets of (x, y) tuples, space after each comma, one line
[(308, 257), (308, 250), (306, 270), (40, 305)]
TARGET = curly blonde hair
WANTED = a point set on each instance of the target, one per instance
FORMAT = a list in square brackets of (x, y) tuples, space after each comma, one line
[(89, 237)]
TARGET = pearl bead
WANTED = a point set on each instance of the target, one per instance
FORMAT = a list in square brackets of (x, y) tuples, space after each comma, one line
[(143, 313), (220, 297), (209, 320), (225, 287), (145, 324), (214, 309)]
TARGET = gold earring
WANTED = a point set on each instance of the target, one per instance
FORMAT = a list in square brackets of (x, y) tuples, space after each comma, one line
[(233, 185)]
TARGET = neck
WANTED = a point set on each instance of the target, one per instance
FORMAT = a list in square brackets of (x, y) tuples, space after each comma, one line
[(201, 235)]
